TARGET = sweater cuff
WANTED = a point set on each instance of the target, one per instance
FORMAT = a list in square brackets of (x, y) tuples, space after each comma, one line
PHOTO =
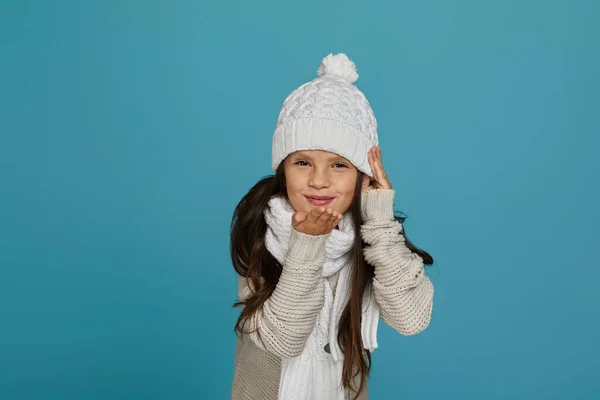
[(306, 247), (377, 204)]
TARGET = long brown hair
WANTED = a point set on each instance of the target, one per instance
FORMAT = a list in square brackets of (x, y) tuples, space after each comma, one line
[(252, 260)]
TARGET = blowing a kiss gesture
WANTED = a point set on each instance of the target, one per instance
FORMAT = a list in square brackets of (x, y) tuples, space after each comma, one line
[(380, 179), (322, 220)]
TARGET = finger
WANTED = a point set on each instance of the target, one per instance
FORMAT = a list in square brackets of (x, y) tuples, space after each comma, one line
[(383, 173), (370, 158), (316, 212), (333, 221), (298, 217), (313, 215), (334, 218), (331, 225), (328, 220), (379, 167), (378, 159), (383, 178), (324, 217), (375, 169)]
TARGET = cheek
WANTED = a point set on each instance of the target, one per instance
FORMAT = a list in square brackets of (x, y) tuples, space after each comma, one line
[(294, 192), (349, 185), (294, 186), (348, 200), (347, 192)]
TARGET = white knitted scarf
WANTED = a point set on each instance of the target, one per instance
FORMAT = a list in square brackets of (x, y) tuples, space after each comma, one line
[(316, 373)]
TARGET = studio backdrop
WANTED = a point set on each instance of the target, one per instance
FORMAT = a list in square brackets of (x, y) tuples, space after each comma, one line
[(129, 130)]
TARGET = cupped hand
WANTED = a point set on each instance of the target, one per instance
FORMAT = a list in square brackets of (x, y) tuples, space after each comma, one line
[(318, 221)]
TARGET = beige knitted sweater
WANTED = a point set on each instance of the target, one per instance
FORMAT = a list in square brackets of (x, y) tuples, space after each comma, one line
[(403, 291)]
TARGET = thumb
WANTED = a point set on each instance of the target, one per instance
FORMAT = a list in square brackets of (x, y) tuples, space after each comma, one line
[(298, 217)]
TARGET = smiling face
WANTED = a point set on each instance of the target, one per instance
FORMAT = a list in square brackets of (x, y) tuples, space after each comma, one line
[(317, 178)]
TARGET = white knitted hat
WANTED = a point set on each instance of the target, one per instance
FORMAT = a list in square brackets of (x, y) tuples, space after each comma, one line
[(328, 113)]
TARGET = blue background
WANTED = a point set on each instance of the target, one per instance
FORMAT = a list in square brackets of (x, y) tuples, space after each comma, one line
[(129, 130)]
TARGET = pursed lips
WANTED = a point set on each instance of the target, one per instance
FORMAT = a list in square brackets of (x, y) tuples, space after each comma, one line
[(319, 200)]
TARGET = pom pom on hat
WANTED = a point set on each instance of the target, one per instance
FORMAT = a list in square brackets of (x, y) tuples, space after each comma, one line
[(338, 65)]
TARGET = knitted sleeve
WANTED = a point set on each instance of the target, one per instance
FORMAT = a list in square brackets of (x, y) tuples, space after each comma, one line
[(403, 291), (289, 314)]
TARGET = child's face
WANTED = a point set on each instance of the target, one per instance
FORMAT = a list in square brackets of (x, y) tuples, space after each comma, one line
[(319, 173)]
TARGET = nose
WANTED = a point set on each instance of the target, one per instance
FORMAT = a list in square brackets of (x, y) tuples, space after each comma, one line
[(319, 179)]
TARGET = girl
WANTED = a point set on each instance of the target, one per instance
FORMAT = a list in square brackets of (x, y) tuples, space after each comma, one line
[(319, 253)]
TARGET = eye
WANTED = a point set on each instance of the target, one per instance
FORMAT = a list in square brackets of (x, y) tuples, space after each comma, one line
[(342, 165), (299, 162)]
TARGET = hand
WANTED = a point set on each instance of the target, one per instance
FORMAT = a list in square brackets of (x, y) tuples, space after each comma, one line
[(318, 221), (380, 179)]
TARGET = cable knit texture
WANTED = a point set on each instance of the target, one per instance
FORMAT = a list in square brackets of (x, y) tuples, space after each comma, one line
[(328, 113), (403, 291), (314, 364), (400, 287)]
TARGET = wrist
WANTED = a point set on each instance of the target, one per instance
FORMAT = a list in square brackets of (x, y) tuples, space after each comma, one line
[(377, 204), (306, 247)]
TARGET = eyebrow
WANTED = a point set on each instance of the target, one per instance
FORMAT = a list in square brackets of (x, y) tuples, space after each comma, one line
[(330, 158)]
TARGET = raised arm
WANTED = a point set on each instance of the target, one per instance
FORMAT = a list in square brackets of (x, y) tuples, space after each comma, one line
[(289, 314), (403, 291)]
